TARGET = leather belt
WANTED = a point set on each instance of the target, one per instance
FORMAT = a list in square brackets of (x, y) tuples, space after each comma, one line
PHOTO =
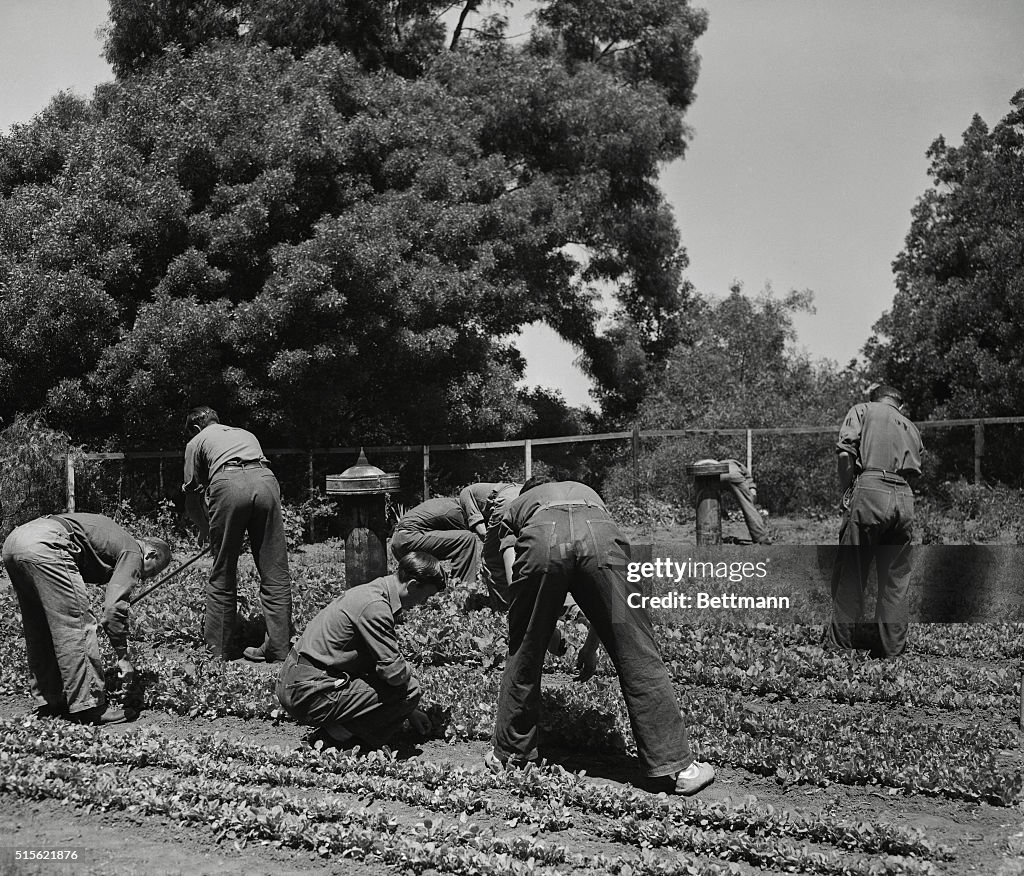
[(886, 474), (570, 503)]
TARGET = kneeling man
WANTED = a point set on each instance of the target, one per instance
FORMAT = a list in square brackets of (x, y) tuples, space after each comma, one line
[(345, 675)]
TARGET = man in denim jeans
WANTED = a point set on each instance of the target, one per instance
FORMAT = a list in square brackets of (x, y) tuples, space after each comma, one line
[(50, 561), (878, 449), (242, 496), (557, 538)]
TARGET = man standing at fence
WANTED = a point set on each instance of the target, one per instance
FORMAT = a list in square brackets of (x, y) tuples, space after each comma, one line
[(557, 538), (878, 449), (241, 496), (49, 561), (346, 675), (439, 527)]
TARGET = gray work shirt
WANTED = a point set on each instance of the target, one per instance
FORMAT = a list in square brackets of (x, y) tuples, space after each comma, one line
[(355, 634)]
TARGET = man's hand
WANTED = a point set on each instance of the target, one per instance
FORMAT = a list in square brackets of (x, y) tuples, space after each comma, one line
[(115, 619), (125, 671), (420, 722)]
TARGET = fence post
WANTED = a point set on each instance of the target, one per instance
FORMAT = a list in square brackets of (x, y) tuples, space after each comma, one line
[(528, 459), (636, 463), (979, 449), (426, 470), (71, 482)]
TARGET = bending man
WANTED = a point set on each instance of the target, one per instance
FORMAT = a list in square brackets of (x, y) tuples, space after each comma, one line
[(49, 561), (557, 538), (484, 505), (242, 496), (346, 676), (438, 527)]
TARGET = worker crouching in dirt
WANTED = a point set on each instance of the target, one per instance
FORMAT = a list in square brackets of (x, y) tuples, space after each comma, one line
[(49, 561), (558, 538), (345, 675)]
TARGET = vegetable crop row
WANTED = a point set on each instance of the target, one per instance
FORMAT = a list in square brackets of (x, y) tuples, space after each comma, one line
[(455, 789)]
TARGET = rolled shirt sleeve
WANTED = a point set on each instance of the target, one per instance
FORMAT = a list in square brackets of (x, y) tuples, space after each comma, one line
[(195, 480), (376, 625), (474, 500), (127, 573), (850, 432)]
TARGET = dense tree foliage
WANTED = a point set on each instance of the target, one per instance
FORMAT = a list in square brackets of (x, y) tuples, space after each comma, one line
[(954, 339), (740, 369), (314, 216)]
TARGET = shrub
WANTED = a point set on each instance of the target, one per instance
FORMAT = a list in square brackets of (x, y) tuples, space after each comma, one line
[(33, 472)]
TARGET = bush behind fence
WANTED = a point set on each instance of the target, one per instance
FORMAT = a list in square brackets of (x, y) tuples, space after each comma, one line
[(794, 470)]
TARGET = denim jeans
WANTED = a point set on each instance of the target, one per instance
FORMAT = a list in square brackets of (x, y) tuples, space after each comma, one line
[(878, 528), (739, 484), (580, 550), (460, 546), (365, 706), (60, 628), (247, 500)]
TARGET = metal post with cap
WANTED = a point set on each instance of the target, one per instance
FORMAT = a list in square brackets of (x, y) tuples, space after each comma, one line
[(361, 490)]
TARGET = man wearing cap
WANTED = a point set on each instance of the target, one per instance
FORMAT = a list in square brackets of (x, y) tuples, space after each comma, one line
[(879, 448), (439, 527), (242, 496), (346, 675), (557, 538), (49, 561)]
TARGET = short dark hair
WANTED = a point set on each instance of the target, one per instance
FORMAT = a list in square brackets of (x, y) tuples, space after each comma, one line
[(536, 481), (201, 416), (883, 390), (425, 568), (161, 547)]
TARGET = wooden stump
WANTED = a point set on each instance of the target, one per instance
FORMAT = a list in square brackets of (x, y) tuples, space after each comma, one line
[(708, 499), (364, 528)]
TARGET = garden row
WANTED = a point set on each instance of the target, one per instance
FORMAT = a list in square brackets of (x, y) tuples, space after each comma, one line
[(246, 791)]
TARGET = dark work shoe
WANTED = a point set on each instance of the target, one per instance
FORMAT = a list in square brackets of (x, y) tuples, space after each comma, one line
[(97, 716), (48, 710), (558, 645), (259, 655)]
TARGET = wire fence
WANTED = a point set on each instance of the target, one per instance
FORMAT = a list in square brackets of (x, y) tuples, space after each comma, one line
[(794, 465)]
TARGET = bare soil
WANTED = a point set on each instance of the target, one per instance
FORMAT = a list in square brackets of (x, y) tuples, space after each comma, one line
[(984, 836)]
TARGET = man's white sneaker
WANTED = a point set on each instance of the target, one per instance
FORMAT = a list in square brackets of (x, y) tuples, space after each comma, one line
[(694, 778)]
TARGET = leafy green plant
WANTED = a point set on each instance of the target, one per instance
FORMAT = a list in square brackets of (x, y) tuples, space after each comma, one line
[(33, 472)]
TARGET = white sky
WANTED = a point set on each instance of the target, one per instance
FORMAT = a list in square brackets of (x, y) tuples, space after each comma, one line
[(811, 122)]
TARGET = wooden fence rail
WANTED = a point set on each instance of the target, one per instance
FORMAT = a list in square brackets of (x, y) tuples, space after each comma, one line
[(527, 444)]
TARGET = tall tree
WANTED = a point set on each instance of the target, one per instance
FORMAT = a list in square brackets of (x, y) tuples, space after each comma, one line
[(332, 245), (741, 369), (954, 338)]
